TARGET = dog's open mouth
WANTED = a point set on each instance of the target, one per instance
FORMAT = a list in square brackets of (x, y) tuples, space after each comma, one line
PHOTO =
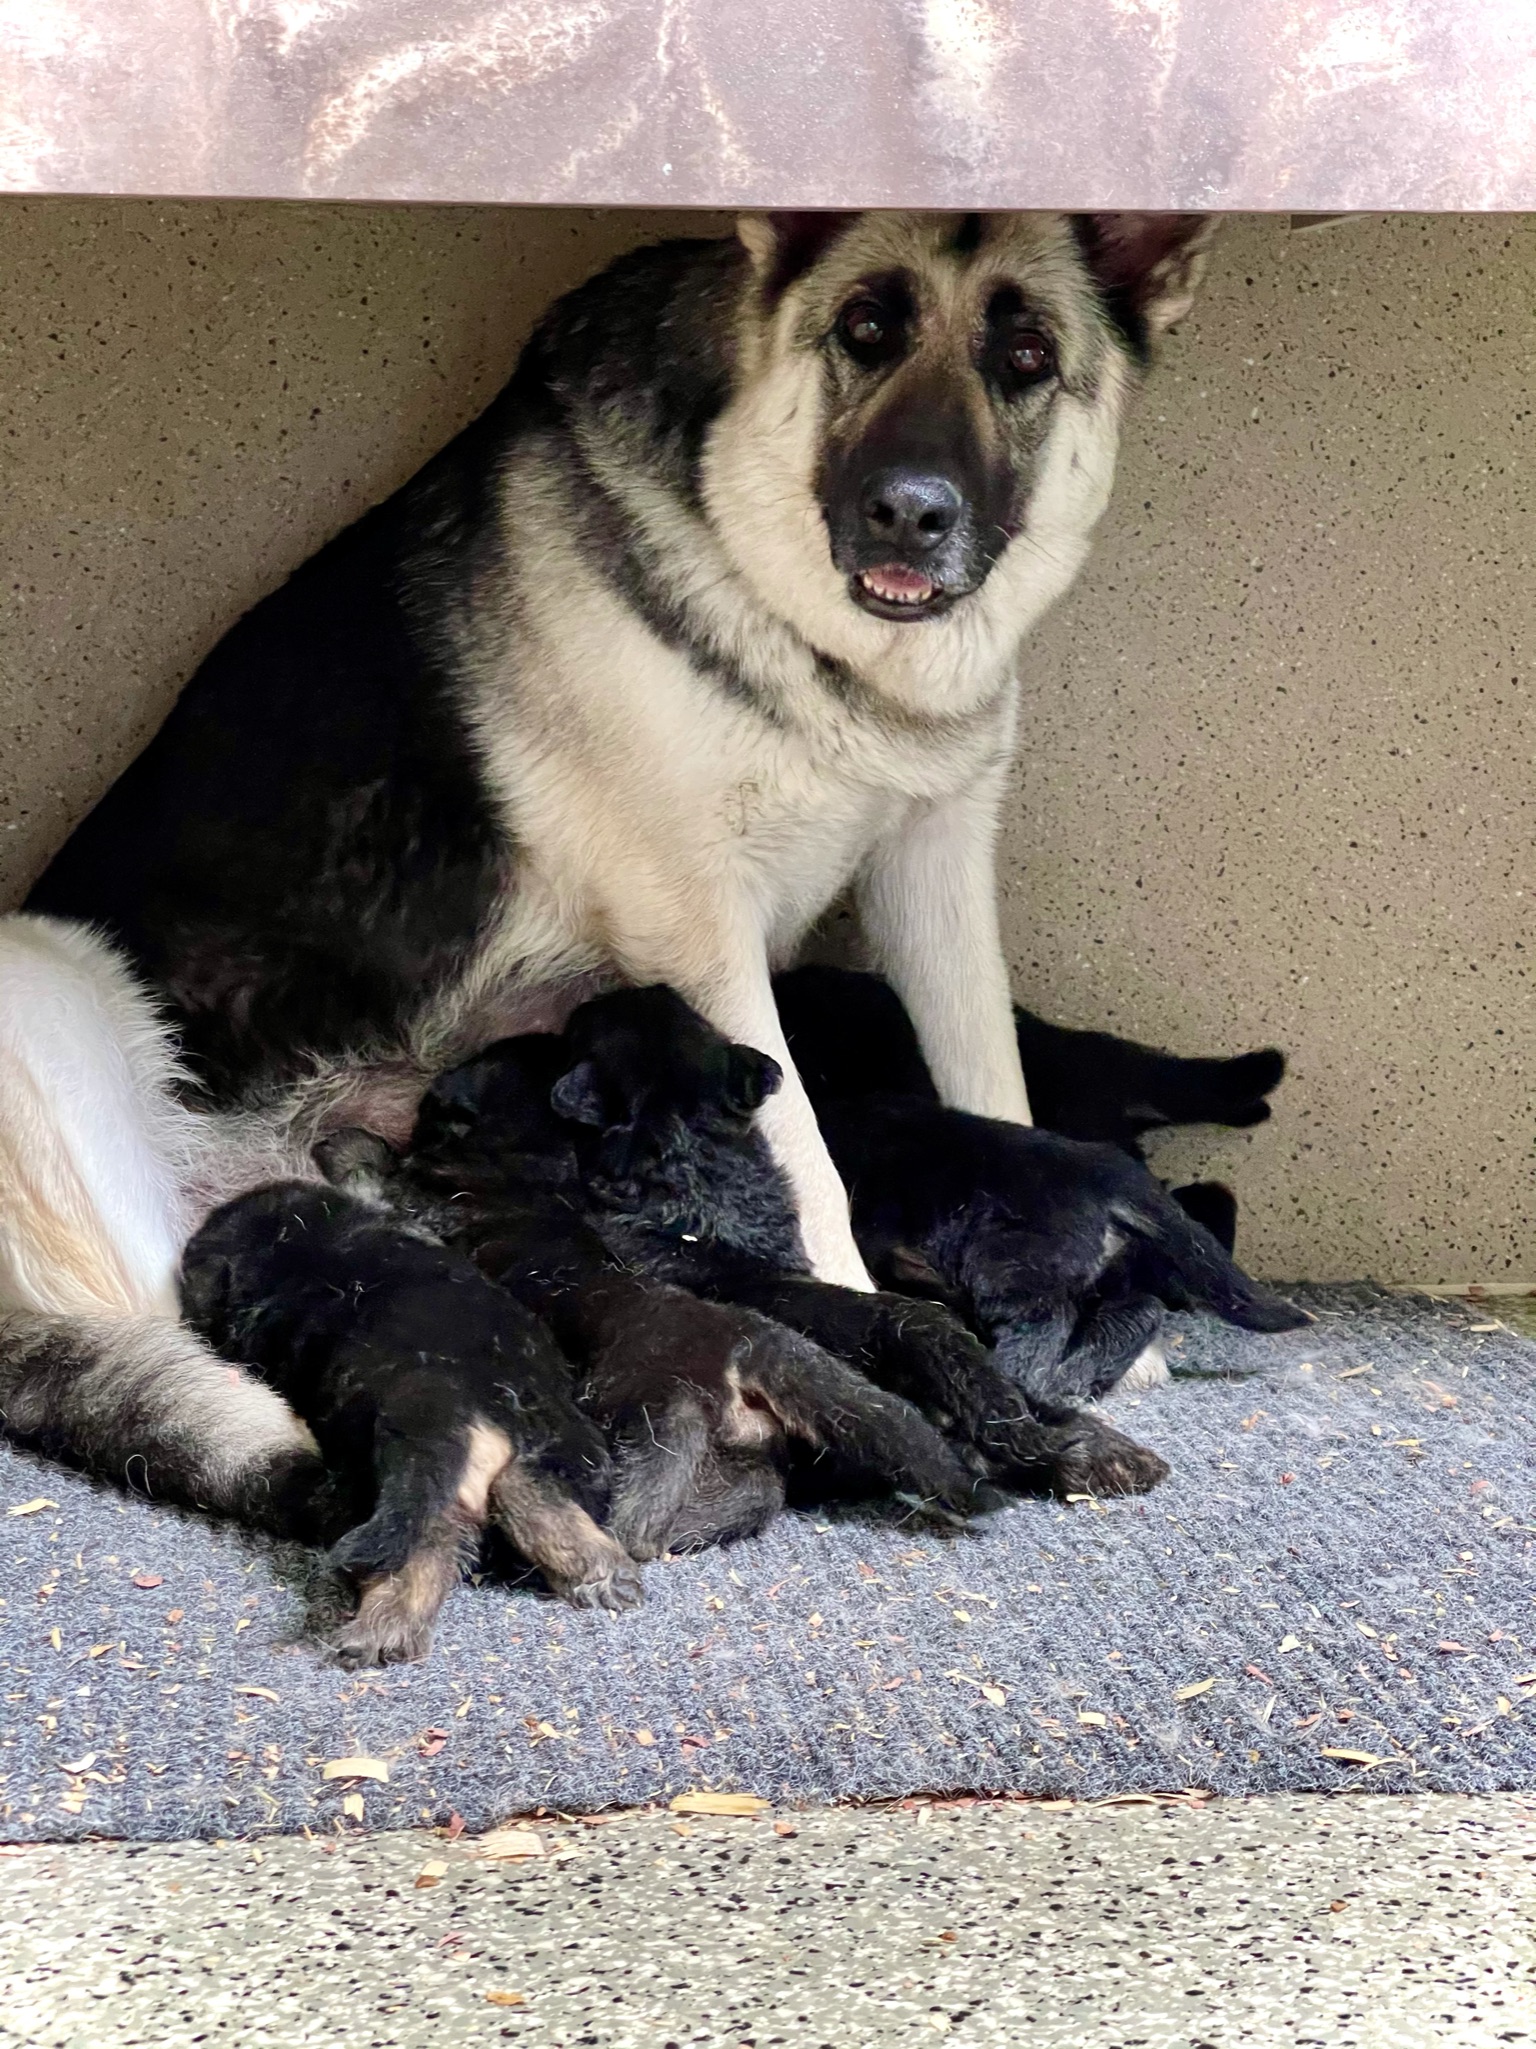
[(894, 591)]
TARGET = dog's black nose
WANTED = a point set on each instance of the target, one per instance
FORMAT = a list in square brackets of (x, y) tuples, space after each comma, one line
[(910, 510)]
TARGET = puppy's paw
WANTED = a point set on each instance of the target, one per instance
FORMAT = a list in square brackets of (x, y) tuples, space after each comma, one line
[(386, 1636), (611, 1582), (1093, 1459)]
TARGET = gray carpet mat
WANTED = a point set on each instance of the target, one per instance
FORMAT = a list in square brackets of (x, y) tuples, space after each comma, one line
[(1342, 1563)]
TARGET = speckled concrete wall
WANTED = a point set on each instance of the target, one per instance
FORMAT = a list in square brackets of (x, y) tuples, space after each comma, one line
[(1277, 781)]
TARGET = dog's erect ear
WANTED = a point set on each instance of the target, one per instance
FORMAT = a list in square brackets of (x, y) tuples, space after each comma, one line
[(783, 246), (578, 1095), (754, 1077), (1147, 265)]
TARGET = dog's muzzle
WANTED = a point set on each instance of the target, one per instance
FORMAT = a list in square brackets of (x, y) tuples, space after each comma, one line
[(905, 543)]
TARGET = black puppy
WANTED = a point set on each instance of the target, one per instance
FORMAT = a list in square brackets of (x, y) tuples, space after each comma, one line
[(683, 1188), (1019, 1229), (851, 1037), (438, 1402), (707, 1407)]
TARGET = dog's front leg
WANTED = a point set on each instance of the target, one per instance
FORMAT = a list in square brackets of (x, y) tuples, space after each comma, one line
[(719, 964), (927, 900)]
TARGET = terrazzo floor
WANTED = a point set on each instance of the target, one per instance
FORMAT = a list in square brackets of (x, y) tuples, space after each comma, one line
[(1360, 1922)]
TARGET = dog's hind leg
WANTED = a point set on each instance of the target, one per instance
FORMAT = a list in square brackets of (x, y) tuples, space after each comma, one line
[(397, 1612), (1213, 1204), (739, 1497), (583, 1564), (923, 1352), (664, 1459), (1175, 1251), (679, 1490), (1032, 1351), (827, 1403), (919, 1350), (1116, 1344)]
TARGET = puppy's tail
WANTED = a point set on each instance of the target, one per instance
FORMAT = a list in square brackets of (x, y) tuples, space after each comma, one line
[(831, 1406), (1199, 1265), (142, 1401)]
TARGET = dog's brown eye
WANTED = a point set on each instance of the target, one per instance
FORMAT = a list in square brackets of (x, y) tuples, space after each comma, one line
[(863, 326), (1029, 355)]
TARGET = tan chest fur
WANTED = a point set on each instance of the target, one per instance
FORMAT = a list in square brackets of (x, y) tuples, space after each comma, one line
[(637, 781)]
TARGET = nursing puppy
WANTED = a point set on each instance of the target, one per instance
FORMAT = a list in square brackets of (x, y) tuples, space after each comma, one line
[(851, 1036), (715, 611), (438, 1403), (708, 1407), (682, 1187), (1060, 1251)]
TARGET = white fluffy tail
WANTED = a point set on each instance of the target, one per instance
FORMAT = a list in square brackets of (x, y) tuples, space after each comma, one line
[(94, 1141), (143, 1401)]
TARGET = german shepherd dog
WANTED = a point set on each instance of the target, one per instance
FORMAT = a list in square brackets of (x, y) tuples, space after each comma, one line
[(715, 611)]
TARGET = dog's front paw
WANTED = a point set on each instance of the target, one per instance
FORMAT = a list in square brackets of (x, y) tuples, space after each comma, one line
[(1091, 1458)]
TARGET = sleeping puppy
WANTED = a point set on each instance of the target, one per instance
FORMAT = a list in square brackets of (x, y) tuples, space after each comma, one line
[(1017, 1228), (707, 1408), (852, 1037), (1013, 1225), (682, 1187), (438, 1402), (711, 1409)]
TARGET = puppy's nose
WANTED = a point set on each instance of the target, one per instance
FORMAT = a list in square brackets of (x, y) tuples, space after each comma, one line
[(910, 510)]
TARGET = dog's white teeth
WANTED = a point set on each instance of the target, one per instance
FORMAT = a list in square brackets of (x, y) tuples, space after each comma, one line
[(898, 586)]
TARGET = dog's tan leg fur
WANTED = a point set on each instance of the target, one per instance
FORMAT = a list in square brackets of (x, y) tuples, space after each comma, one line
[(582, 1563), (398, 1612), (488, 1452)]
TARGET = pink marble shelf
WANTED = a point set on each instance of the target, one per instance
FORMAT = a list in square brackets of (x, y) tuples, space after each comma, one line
[(1223, 104)]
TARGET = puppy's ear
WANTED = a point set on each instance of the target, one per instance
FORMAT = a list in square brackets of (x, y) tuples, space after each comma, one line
[(753, 1078), (1147, 266), (578, 1096), (783, 246)]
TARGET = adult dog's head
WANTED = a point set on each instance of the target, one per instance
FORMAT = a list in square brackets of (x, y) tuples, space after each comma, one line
[(920, 431)]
